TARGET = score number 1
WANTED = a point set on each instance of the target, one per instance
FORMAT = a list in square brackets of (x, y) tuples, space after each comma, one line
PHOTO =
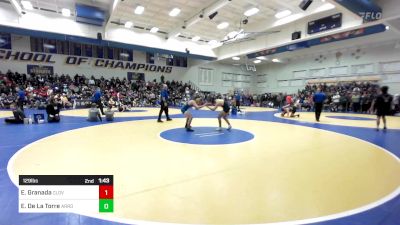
[(106, 195)]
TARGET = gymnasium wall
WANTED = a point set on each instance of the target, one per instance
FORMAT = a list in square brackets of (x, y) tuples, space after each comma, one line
[(381, 61), (211, 80), (52, 22)]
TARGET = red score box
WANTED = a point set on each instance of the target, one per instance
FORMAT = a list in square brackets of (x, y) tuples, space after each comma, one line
[(106, 192)]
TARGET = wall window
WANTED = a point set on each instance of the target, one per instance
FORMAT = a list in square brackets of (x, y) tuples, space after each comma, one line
[(75, 49), (108, 53), (5, 40), (36, 44), (178, 61), (150, 58), (63, 47), (169, 61), (87, 50), (123, 54), (49, 46), (98, 52)]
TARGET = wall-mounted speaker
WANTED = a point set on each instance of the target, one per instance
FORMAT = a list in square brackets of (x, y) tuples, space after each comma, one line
[(99, 37), (296, 35), (305, 4)]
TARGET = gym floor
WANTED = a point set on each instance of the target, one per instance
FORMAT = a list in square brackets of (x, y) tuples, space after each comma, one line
[(266, 170)]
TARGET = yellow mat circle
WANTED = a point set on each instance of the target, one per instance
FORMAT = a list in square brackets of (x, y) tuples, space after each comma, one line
[(4, 114), (285, 173), (309, 117)]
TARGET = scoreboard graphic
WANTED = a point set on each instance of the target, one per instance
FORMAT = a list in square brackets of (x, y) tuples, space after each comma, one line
[(66, 193)]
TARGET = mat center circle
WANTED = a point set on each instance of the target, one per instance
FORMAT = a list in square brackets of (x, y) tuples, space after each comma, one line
[(207, 136)]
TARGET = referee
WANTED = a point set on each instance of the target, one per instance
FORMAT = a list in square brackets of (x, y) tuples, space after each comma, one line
[(318, 98), (164, 103)]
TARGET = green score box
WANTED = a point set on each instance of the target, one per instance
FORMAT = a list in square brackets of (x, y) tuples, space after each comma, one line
[(106, 205)]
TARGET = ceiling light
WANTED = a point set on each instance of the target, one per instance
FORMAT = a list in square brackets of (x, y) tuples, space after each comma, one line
[(177, 35), (257, 61), (27, 5), (261, 57), (284, 13), (223, 25), (324, 7), (66, 12), (128, 24), (275, 60), (236, 58), (174, 12), (252, 11), (154, 29), (139, 9), (213, 42), (195, 38), (16, 6)]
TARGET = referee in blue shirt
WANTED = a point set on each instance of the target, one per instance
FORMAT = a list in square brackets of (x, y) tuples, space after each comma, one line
[(318, 98), (97, 99), (164, 103), (21, 98)]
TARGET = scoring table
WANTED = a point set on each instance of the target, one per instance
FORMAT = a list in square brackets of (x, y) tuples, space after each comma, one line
[(66, 193)]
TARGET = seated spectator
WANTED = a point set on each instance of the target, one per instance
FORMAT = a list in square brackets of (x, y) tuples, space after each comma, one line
[(18, 117), (94, 114), (109, 113), (53, 112), (65, 102)]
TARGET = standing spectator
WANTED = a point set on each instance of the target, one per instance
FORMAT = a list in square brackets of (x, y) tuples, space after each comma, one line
[(318, 99), (382, 105), (355, 100), (162, 79), (336, 102), (164, 103), (238, 99)]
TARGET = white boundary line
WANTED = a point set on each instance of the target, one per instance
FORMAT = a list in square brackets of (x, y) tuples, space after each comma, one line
[(361, 209)]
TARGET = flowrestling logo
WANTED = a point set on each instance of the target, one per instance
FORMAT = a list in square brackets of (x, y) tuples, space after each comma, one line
[(78, 60)]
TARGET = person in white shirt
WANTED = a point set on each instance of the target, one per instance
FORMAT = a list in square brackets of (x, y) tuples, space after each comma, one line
[(336, 102)]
